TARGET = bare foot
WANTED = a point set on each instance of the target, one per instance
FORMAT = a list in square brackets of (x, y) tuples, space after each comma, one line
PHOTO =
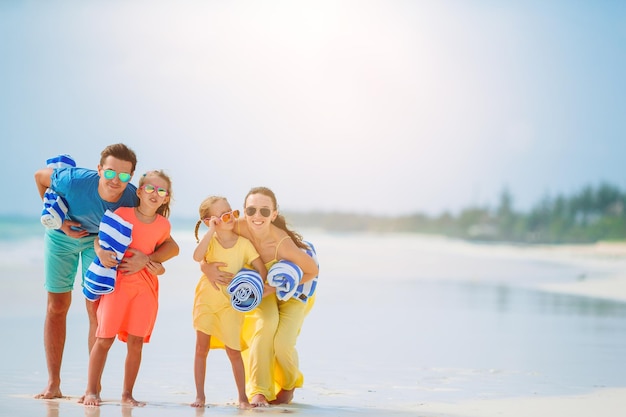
[(49, 393), (259, 400), (244, 405), (198, 403), (127, 399), (92, 400), (81, 400), (284, 396)]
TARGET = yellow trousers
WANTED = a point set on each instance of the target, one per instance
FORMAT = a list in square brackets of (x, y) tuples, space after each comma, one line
[(271, 360)]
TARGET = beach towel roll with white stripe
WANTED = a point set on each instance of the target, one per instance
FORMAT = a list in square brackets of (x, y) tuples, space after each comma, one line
[(306, 290), (286, 276), (55, 206), (246, 290), (114, 236)]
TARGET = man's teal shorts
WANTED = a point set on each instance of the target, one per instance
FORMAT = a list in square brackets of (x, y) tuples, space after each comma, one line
[(61, 256)]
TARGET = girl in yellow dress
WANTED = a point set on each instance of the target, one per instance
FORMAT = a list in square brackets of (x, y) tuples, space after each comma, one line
[(217, 323)]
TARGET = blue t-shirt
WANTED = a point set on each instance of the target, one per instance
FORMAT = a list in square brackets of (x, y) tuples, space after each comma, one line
[(79, 186)]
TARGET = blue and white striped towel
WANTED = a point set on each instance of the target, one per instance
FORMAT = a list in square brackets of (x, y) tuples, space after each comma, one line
[(114, 236), (246, 290), (285, 276), (55, 206), (306, 290)]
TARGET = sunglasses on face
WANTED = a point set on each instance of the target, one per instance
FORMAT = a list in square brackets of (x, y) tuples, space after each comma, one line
[(226, 217), (149, 189), (109, 174), (265, 212)]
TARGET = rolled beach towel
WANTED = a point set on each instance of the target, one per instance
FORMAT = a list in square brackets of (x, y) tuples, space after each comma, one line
[(246, 290), (114, 235), (306, 290), (54, 206), (285, 276)]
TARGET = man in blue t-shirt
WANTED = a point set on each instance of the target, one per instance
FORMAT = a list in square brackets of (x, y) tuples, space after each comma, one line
[(89, 194)]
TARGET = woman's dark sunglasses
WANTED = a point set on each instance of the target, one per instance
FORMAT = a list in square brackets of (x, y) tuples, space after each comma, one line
[(265, 212)]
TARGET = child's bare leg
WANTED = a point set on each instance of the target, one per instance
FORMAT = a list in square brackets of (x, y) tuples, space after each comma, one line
[(131, 369), (199, 366), (91, 400), (97, 360), (239, 372)]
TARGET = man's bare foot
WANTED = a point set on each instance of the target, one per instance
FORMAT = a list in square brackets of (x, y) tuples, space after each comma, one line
[(127, 399), (284, 396), (198, 403), (259, 400), (92, 400), (49, 393)]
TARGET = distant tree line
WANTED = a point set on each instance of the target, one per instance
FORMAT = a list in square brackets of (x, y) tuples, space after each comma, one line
[(590, 215)]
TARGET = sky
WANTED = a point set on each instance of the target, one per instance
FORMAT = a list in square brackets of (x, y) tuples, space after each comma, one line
[(374, 107)]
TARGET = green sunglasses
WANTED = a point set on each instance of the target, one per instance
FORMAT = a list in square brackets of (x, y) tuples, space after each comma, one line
[(109, 174)]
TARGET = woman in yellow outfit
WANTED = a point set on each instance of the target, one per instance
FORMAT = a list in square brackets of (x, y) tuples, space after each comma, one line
[(271, 330)]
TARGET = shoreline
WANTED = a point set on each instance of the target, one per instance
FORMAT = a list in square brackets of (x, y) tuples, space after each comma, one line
[(611, 255), (604, 402)]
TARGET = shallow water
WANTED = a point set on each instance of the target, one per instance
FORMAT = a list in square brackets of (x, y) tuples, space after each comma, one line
[(399, 321)]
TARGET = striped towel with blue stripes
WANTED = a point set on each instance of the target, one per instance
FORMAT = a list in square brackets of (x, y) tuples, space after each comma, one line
[(306, 290), (286, 276), (246, 290), (55, 206), (114, 235)]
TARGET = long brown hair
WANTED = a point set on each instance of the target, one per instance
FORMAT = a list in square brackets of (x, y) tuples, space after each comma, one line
[(280, 220), (164, 209)]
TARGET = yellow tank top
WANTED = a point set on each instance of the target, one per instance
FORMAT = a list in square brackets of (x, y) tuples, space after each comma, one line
[(269, 264)]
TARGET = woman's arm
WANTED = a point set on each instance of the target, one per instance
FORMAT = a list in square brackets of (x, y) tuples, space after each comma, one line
[(260, 267), (289, 251), (214, 274)]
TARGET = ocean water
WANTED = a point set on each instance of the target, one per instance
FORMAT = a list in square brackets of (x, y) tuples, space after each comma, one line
[(400, 321)]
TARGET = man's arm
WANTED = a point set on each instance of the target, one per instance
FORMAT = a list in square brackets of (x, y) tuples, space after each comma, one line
[(166, 251), (43, 178), (139, 260)]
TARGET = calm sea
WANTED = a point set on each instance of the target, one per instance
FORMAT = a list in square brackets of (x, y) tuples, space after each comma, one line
[(400, 320)]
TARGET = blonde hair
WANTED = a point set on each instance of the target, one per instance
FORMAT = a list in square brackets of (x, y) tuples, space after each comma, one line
[(205, 210), (164, 209)]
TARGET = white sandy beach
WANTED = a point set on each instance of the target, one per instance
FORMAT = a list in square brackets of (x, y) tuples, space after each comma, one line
[(460, 335)]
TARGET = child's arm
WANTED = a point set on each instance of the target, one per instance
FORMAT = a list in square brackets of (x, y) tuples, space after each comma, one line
[(107, 257), (203, 245)]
